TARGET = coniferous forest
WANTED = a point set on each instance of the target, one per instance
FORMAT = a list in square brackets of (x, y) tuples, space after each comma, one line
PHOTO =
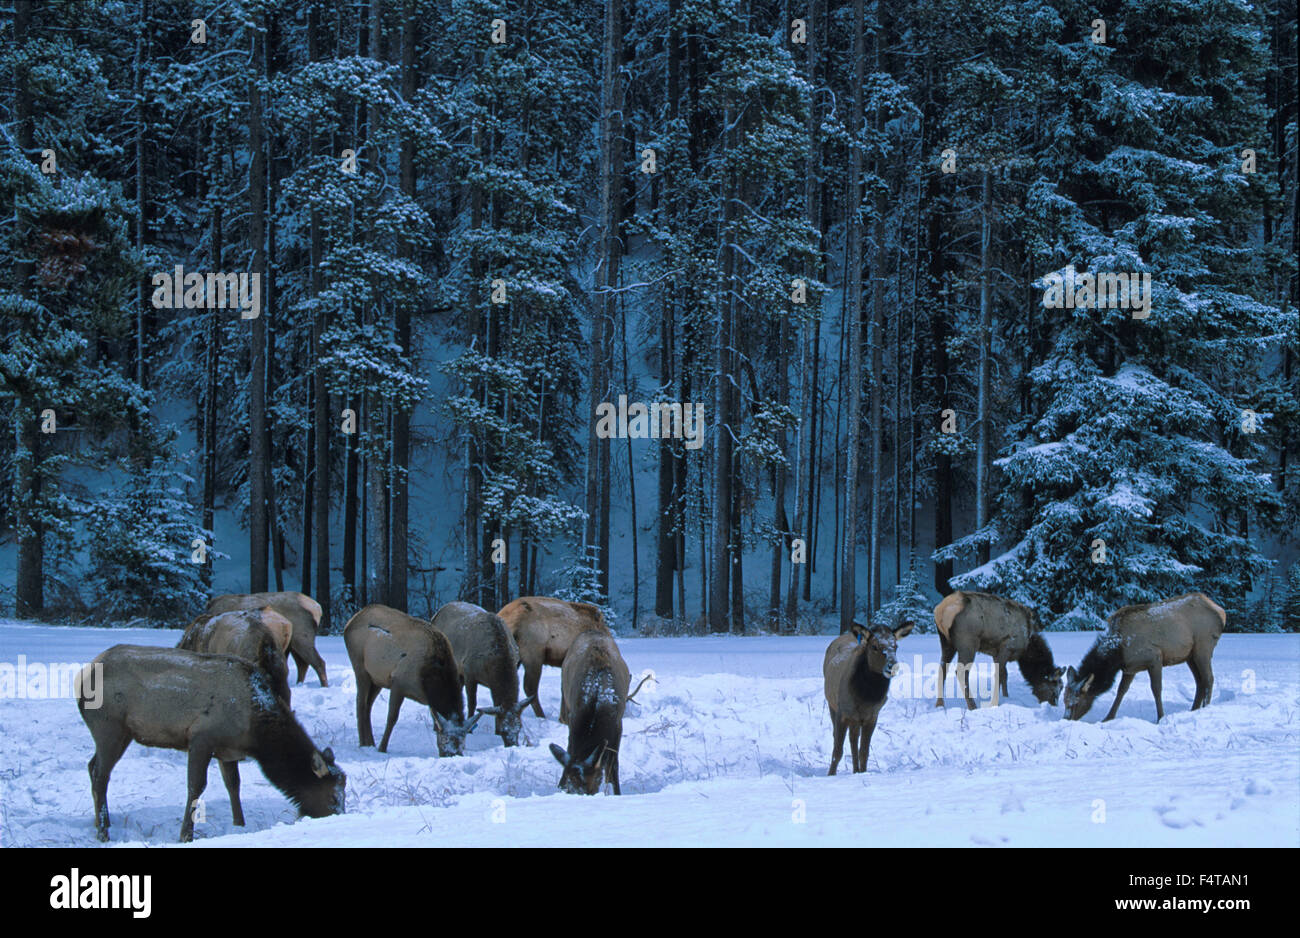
[(726, 315)]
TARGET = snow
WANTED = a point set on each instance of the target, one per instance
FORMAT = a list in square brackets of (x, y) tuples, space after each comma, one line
[(728, 746)]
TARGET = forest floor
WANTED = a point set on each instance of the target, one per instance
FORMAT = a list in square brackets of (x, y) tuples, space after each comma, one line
[(729, 746)]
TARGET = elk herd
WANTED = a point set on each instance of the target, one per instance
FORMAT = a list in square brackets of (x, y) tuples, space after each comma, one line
[(224, 692)]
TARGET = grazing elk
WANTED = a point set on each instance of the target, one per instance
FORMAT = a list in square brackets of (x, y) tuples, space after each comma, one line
[(857, 669), (593, 681), (300, 609), (409, 657), (486, 654), (544, 628), (253, 635), (1001, 628), (211, 706), (1149, 638)]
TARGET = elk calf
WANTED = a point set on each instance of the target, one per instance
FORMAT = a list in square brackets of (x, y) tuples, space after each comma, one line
[(1001, 628), (1149, 638), (299, 608), (857, 669), (211, 706), (544, 628), (485, 654), (594, 682), (409, 657), (254, 635)]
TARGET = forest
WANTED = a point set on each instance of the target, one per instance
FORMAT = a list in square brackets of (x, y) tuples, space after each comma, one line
[(390, 300)]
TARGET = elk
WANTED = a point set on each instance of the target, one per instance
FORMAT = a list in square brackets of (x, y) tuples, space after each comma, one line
[(1149, 638), (253, 635), (857, 669), (593, 682), (1001, 628), (485, 654), (211, 706), (544, 628), (299, 608), (409, 657)]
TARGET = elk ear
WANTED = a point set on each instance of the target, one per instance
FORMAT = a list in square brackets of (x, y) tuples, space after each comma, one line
[(859, 631), (904, 629), (561, 756), (1087, 683), (472, 720), (329, 755), (490, 711), (1071, 674), (438, 724), (318, 766), (519, 707), (591, 760)]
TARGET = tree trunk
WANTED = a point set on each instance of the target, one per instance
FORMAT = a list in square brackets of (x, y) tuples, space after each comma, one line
[(985, 341), (257, 467), (853, 329), (321, 398)]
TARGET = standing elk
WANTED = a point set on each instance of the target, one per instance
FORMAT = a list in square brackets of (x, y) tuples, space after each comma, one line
[(857, 669), (1001, 628), (1149, 638), (300, 609), (254, 635), (409, 657), (593, 681), (211, 706), (486, 654), (544, 628)]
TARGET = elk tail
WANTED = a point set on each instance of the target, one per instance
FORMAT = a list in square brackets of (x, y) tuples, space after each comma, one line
[(310, 605), (947, 610)]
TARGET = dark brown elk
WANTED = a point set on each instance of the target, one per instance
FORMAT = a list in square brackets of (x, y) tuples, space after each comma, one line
[(544, 628), (1149, 638), (856, 670), (1001, 628), (409, 657), (593, 682), (486, 654), (300, 609), (253, 635), (211, 706)]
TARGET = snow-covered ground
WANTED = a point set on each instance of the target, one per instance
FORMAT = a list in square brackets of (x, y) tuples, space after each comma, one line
[(730, 747)]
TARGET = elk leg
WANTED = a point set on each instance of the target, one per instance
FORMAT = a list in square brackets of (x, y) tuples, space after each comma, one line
[(101, 766), (230, 775), (613, 772), (1154, 672), (366, 693), (471, 697), (864, 746), (197, 781), (532, 678), (394, 705), (854, 732), (1196, 676), (946, 654), (1124, 682), (300, 661), (1207, 681), (837, 737), (318, 665), (964, 665), (1002, 677)]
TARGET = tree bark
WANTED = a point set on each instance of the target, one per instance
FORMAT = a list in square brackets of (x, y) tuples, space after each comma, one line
[(257, 469)]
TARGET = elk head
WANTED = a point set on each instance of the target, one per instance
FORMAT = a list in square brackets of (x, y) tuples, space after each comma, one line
[(325, 795), (452, 731), (1048, 689), (580, 778), (1078, 694), (882, 645), (509, 722)]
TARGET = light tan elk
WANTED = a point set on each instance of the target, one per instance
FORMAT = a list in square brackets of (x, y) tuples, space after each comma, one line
[(486, 654), (857, 669), (211, 706), (544, 628), (252, 635), (300, 609), (409, 657), (1001, 628), (593, 682), (1149, 638)]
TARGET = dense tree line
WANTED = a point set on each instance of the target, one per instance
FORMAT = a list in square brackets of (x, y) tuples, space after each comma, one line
[(836, 226)]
